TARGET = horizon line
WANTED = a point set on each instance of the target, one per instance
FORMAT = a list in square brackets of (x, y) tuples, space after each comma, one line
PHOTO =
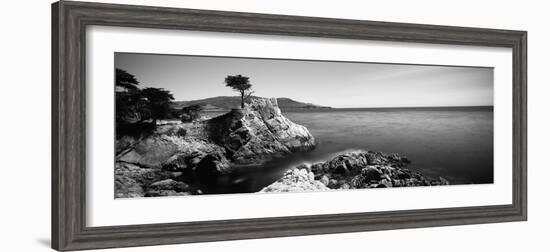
[(437, 106), (329, 107)]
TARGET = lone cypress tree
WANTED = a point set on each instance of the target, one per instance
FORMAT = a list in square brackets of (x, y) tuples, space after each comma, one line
[(240, 84)]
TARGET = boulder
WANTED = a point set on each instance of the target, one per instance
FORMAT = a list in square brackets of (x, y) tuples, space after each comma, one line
[(348, 163), (131, 179), (385, 183), (403, 175), (169, 184), (151, 152), (333, 184), (325, 180), (126, 187), (169, 187), (357, 182), (374, 158), (371, 174), (175, 153)]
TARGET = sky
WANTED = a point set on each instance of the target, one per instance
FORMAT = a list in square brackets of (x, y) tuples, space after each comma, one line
[(325, 83)]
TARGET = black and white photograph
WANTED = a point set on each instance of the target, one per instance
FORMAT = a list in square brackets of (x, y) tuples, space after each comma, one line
[(193, 125), (275, 126)]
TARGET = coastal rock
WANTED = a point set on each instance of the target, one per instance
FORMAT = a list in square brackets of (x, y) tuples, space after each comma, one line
[(131, 179), (293, 136), (177, 153), (296, 180), (126, 187), (385, 183), (366, 169), (134, 181), (347, 163), (201, 150), (150, 152), (258, 132), (325, 180), (371, 174), (164, 193), (168, 187), (169, 184)]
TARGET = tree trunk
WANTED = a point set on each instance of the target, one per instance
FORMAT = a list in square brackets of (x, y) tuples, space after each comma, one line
[(242, 100)]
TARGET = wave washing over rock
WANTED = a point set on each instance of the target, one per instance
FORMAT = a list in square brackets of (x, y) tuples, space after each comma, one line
[(353, 170), (179, 158), (296, 180)]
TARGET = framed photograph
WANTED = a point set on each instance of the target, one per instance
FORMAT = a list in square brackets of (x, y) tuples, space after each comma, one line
[(178, 125)]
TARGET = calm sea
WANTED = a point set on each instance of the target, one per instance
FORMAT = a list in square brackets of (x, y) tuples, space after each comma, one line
[(454, 143)]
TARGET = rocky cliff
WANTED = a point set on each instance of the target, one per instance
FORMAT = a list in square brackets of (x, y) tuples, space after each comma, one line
[(178, 158), (257, 132), (354, 170)]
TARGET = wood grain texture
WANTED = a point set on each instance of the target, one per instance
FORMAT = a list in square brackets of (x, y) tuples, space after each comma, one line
[(69, 20)]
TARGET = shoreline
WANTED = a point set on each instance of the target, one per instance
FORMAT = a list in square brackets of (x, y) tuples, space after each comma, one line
[(359, 169), (199, 157)]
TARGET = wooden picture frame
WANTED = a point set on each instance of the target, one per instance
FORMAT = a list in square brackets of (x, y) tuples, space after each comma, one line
[(69, 20)]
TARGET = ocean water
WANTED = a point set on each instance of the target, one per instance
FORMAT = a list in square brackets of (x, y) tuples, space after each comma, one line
[(454, 143)]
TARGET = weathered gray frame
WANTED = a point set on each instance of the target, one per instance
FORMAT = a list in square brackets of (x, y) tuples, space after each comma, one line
[(69, 20)]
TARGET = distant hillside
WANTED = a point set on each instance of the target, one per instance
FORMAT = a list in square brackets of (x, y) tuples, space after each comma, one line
[(230, 102)]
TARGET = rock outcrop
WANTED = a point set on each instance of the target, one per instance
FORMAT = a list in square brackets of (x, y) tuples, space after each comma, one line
[(296, 180), (184, 156), (362, 169), (134, 181), (258, 132)]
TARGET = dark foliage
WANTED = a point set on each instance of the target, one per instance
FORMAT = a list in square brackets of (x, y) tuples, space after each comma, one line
[(159, 102), (135, 107), (125, 80), (137, 130), (190, 113), (131, 107)]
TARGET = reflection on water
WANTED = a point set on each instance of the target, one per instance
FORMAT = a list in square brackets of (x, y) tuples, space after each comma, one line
[(456, 143)]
